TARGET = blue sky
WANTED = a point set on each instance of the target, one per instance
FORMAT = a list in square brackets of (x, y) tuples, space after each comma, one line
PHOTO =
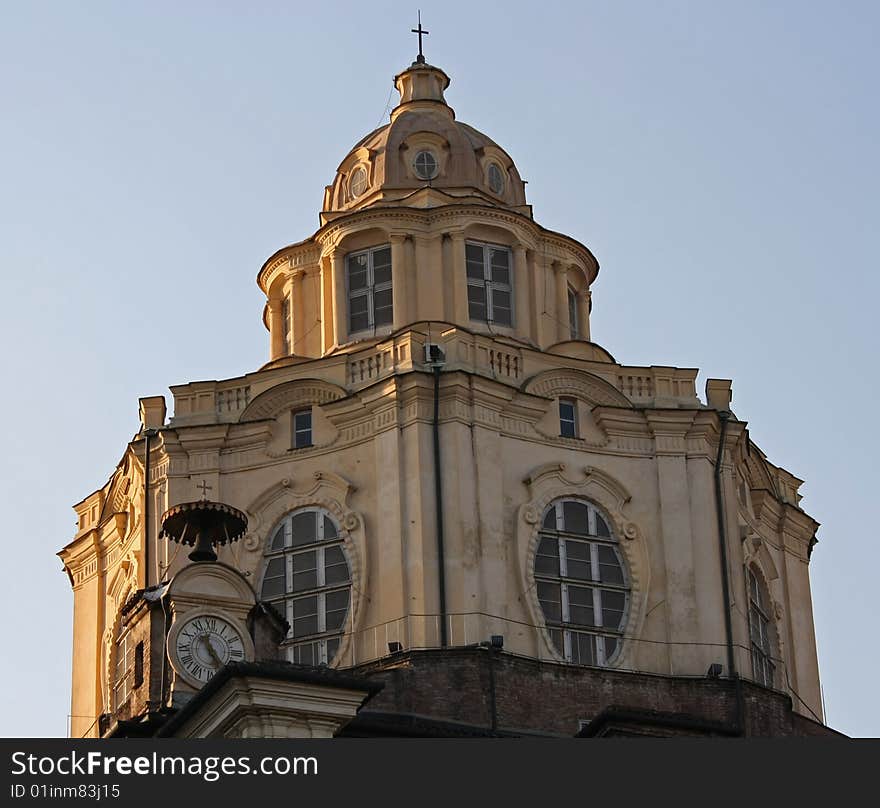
[(719, 159)]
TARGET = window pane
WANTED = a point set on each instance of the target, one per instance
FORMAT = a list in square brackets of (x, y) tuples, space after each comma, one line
[(551, 602), (612, 608), (499, 263), (305, 573), (556, 637), (357, 271), (610, 647), (550, 518), (567, 415), (501, 307), (577, 556), (547, 557), (335, 566), (477, 302), (602, 527), (273, 581), (383, 307), (583, 648), (304, 528), (329, 529), (610, 571), (306, 654), (473, 254), (337, 606), (278, 539), (575, 517), (381, 264), (580, 606), (332, 649), (359, 322), (305, 616)]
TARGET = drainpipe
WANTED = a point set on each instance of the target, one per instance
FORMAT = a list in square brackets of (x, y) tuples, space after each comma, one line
[(148, 433), (436, 359), (724, 417)]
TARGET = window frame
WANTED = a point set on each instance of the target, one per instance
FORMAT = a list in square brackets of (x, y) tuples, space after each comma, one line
[(569, 402), (501, 182), (574, 328), (285, 324), (318, 642), (369, 290), (415, 164), (490, 286), (125, 653), (760, 623), (295, 431), (569, 631)]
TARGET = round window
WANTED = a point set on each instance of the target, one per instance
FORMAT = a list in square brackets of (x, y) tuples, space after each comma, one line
[(425, 165), (358, 182), (496, 178)]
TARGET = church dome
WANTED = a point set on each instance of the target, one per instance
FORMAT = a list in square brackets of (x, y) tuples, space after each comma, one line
[(424, 147)]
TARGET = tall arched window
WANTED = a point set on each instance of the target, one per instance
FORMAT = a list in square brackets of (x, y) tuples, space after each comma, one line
[(760, 628), (308, 579), (581, 583)]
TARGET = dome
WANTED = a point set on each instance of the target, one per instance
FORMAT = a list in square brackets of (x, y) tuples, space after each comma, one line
[(424, 157)]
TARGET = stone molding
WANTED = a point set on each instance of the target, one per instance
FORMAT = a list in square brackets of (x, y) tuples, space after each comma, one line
[(325, 490), (553, 481)]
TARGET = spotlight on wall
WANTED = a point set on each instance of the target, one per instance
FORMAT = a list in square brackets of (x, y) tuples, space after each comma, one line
[(497, 641), (714, 671), (394, 648)]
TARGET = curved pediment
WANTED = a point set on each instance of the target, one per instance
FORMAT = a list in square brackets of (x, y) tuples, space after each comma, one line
[(583, 385), (290, 395), (204, 581)]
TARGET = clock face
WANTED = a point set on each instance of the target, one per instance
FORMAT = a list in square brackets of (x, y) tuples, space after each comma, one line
[(205, 644)]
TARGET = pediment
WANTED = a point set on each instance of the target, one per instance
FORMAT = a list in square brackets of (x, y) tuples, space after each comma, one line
[(570, 381), (289, 395)]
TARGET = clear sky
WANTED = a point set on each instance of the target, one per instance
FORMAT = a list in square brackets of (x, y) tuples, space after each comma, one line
[(719, 158)]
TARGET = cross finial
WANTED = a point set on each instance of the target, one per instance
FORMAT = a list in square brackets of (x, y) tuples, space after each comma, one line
[(421, 32), (205, 488)]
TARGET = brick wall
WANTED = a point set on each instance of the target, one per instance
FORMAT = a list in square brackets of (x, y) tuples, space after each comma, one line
[(541, 697)]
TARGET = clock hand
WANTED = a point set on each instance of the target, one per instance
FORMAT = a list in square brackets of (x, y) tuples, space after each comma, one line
[(210, 648)]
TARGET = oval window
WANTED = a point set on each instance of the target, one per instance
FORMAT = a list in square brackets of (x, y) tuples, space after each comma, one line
[(425, 165), (358, 182), (496, 178)]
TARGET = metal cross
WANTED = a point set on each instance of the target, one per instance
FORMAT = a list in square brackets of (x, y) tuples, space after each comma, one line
[(205, 488), (421, 32)]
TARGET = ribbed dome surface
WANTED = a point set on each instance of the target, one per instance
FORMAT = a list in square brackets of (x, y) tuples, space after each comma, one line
[(424, 146)]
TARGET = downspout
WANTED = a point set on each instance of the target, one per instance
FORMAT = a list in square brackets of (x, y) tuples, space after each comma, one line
[(437, 360), (724, 417)]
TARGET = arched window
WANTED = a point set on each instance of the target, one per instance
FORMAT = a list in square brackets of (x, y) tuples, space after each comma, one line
[(308, 579), (581, 583), (760, 627)]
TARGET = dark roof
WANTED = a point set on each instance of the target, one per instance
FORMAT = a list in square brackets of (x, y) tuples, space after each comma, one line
[(269, 669), (634, 718), (369, 724)]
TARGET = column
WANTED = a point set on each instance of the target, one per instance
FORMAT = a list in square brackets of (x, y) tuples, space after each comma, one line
[(459, 280), (520, 290), (276, 331), (537, 274), (297, 295), (583, 311), (399, 280), (563, 328), (337, 270), (410, 270)]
